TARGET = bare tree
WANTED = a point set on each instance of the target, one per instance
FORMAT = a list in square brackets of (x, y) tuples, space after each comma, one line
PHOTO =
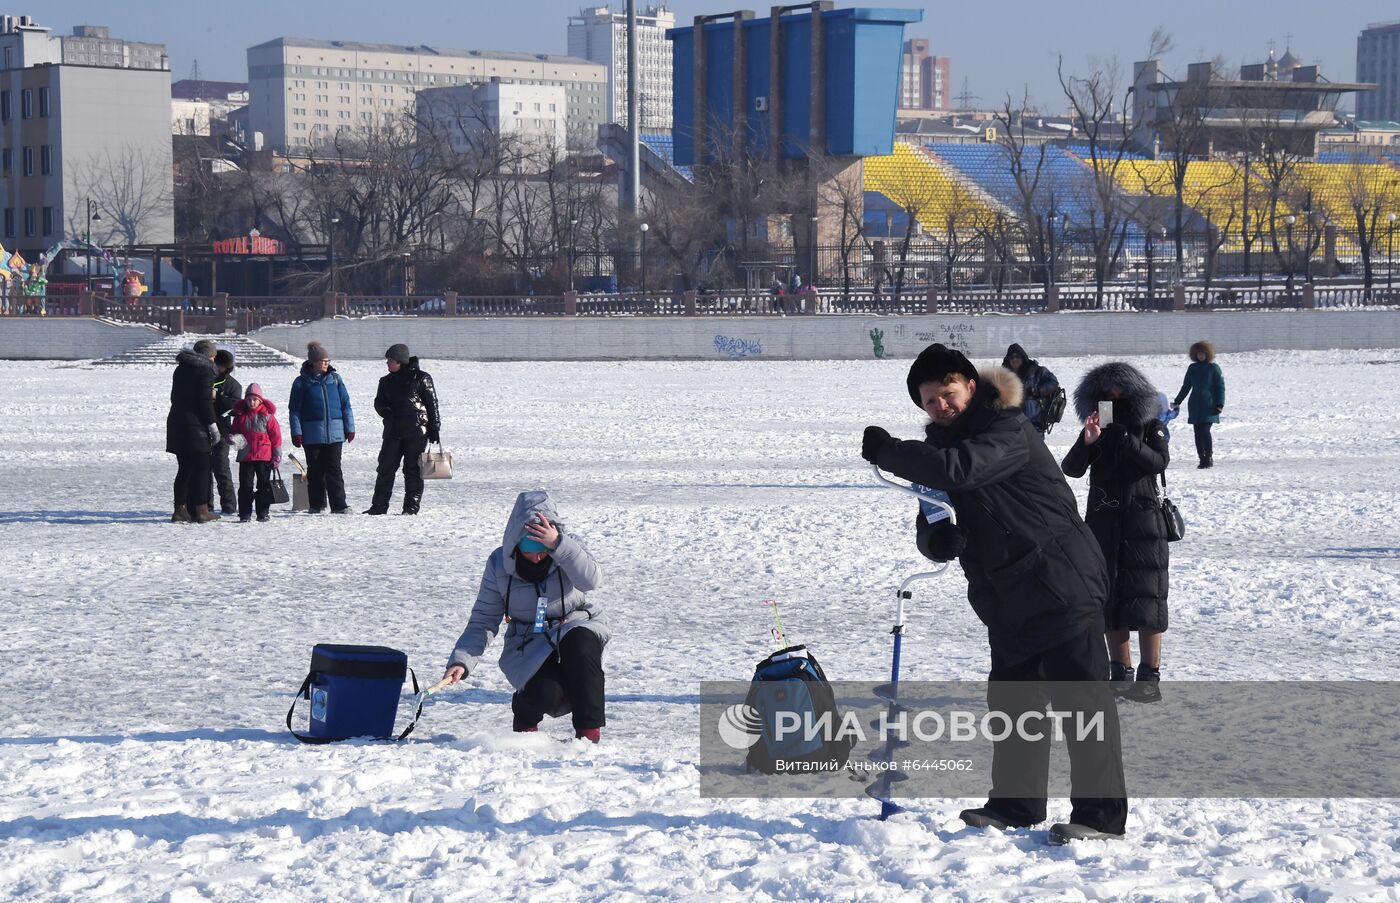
[(130, 188), (1027, 164), (1101, 113)]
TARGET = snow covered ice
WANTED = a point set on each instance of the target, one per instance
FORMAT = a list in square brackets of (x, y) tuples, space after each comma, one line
[(148, 665)]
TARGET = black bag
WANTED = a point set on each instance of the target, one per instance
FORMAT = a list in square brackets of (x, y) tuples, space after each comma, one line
[(280, 495), (1176, 526), (790, 680), (1054, 408)]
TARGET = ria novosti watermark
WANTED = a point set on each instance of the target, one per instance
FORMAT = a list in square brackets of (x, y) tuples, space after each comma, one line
[(1204, 739)]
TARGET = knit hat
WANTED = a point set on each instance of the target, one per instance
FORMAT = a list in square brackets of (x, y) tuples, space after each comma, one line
[(934, 364), (224, 358), (253, 389), (531, 545), (315, 351), (397, 352)]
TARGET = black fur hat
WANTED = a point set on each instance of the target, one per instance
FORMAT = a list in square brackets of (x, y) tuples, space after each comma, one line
[(934, 364)]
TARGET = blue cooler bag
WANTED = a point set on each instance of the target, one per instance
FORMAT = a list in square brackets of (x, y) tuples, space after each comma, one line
[(354, 692)]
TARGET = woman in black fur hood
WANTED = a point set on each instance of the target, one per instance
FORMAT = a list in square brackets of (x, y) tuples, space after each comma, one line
[(1123, 460)]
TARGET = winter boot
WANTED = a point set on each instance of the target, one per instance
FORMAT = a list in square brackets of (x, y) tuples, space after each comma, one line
[(410, 504), (592, 734), (1064, 833), (1205, 464), (983, 817), (375, 509), (181, 515), (1120, 677), (202, 515), (1149, 685)]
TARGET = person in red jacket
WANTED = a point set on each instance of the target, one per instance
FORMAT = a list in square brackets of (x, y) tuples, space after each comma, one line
[(255, 423)]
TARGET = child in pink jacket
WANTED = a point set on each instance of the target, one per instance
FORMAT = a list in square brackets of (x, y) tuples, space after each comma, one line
[(255, 420)]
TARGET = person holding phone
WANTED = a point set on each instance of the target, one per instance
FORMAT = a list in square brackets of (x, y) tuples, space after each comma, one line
[(1123, 447), (537, 583)]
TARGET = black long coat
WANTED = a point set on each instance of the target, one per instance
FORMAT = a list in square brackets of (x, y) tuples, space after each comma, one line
[(1123, 512), (191, 405), (1035, 575)]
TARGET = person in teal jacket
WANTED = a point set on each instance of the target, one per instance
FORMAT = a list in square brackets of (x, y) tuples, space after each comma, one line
[(1206, 385)]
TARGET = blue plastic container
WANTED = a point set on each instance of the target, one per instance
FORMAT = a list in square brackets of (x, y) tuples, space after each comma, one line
[(355, 690)]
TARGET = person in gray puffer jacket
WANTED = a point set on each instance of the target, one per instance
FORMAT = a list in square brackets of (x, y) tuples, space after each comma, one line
[(536, 582)]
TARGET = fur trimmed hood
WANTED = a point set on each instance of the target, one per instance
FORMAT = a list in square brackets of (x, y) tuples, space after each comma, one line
[(1200, 346), (1138, 393), (1010, 391)]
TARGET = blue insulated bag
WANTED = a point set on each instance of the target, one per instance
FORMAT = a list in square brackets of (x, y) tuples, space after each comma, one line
[(354, 692), (791, 681)]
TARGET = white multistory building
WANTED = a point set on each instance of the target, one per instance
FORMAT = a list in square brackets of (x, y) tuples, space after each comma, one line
[(84, 126), (303, 92), (472, 116), (599, 34)]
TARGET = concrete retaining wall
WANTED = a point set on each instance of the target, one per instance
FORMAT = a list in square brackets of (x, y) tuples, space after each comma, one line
[(765, 338), (840, 338), (68, 338)]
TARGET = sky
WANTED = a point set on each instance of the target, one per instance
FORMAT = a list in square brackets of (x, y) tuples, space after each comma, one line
[(998, 47)]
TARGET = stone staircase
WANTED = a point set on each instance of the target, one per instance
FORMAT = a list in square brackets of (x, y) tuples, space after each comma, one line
[(161, 352)]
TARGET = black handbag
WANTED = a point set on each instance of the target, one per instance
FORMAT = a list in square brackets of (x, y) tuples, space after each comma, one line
[(1176, 526), (280, 495)]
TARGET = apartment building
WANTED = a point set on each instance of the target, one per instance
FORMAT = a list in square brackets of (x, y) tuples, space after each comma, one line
[(600, 35)]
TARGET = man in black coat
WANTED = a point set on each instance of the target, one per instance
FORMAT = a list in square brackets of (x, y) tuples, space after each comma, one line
[(408, 403), (191, 430), (1035, 577), (226, 392)]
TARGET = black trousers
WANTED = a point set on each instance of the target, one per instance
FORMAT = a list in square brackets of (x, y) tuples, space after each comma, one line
[(323, 475), (223, 477), (1204, 447), (574, 676), (248, 473), (391, 453), (1021, 767), (192, 480)]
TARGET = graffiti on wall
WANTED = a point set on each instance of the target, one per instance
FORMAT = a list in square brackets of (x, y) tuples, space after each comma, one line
[(737, 349)]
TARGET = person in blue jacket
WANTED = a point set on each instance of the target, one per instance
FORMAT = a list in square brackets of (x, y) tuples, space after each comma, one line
[(321, 421), (1206, 385), (1038, 385)]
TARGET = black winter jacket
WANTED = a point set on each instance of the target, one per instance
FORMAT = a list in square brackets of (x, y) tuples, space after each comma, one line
[(1035, 575), (408, 403), (1123, 510), (191, 405), (226, 392), (1038, 386)]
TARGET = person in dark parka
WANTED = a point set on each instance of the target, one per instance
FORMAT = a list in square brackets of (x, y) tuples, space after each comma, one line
[(227, 392), (191, 430), (407, 402), (1038, 385), (1035, 577), (321, 420), (1123, 460), (1206, 385)]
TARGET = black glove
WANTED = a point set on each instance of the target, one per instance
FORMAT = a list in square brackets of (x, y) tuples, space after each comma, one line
[(1115, 433), (875, 439), (945, 542), (434, 438)]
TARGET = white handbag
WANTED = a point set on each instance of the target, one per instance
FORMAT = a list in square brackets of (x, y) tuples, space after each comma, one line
[(435, 465)]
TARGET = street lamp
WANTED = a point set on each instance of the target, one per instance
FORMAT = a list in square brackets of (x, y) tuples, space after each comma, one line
[(1051, 223), (812, 239), (573, 233), (330, 235), (1288, 222), (93, 216), (644, 228), (405, 256), (1390, 257)]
